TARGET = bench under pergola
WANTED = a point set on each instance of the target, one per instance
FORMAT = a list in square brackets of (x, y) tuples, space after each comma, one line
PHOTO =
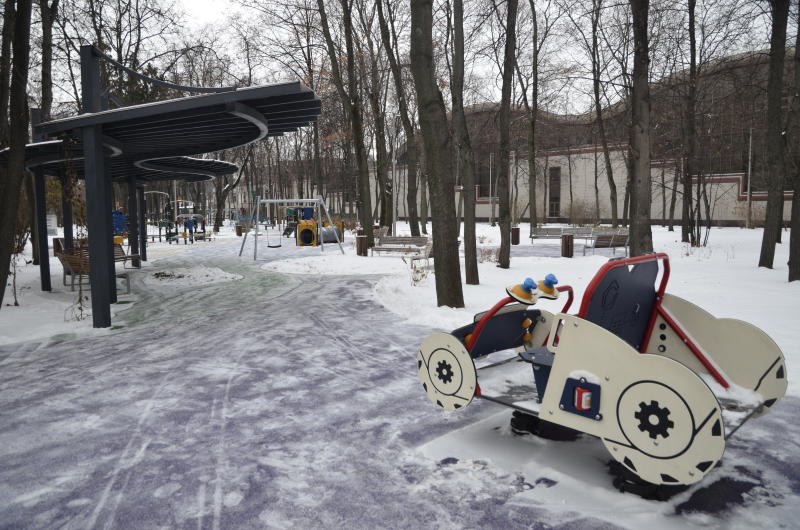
[(146, 143)]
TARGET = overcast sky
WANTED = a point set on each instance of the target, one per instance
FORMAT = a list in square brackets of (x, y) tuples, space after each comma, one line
[(202, 12)]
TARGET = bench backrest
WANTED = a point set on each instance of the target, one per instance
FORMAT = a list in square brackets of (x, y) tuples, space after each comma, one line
[(417, 241), (77, 261)]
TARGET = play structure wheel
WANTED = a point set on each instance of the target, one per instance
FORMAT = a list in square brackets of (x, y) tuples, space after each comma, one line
[(673, 433), (446, 371)]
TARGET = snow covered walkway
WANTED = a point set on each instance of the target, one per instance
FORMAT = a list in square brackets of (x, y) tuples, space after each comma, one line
[(292, 401)]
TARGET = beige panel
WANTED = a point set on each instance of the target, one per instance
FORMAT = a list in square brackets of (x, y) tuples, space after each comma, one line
[(743, 352), (658, 417)]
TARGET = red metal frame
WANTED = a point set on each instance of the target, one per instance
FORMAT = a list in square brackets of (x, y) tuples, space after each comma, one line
[(691, 345)]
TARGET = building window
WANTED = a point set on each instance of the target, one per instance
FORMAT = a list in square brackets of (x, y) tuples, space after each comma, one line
[(554, 188)]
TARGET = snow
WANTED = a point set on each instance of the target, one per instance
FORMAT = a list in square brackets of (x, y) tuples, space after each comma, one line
[(189, 277), (283, 392)]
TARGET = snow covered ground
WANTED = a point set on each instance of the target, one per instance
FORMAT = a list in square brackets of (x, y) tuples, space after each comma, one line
[(233, 393)]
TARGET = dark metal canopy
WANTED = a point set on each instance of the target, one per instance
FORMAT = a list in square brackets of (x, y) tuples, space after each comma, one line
[(197, 124), (55, 157)]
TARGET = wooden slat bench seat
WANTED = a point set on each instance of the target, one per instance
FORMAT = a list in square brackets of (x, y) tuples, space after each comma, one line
[(76, 263)]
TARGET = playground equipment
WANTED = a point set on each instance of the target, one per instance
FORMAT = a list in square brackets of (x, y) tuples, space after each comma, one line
[(659, 380), (311, 211), (307, 233)]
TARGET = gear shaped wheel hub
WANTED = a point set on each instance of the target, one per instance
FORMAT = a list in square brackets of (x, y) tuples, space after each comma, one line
[(444, 371), (654, 419)]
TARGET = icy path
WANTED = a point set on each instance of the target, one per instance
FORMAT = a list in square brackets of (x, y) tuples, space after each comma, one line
[(285, 401)]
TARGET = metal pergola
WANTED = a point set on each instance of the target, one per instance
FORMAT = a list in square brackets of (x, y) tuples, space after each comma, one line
[(149, 142)]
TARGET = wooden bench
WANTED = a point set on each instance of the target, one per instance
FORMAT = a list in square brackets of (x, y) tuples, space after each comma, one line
[(401, 244), (76, 263), (119, 255), (611, 240)]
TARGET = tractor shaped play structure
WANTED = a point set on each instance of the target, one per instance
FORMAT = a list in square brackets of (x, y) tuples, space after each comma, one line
[(659, 380)]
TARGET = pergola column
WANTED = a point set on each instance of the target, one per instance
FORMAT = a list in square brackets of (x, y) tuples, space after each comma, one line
[(110, 264), (133, 220), (100, 253), (41, 228), (97, 196), (142, 223)]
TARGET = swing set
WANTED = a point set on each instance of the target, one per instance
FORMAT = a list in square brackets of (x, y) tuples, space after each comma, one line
[(319, 210)]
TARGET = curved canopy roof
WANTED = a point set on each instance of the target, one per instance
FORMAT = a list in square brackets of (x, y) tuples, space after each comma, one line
[(154, 141), (198, 124), (57, 156)]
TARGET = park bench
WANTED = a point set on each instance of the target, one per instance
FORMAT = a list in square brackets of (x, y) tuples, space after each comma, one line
[(76, 263), (612, 240), (119, 255), (401, 244), (556, 232)]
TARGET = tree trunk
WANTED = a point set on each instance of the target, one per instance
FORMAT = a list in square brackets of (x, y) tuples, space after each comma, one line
[(11, 182), (438, 156), (687, 222), (641, 237), (794, 237), (504, 214), (48, 13), (5, 69), (465, 154), (780, 15)]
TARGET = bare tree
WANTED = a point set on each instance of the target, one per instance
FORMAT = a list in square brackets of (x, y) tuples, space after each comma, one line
[(504, 214), (438, 156), (389, 39), (462, 139), (351, 101), (11, 182), (591, 44), (773, 221)]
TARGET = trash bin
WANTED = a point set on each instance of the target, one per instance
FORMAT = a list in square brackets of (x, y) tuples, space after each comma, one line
[(361, 245), (239, 230), (567, 245), (515, 235)]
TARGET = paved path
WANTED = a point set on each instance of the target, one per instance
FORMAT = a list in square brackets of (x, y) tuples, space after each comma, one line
[(274, 401)]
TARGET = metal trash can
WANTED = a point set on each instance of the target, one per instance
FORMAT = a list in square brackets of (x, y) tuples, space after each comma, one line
[(515, 235), (239, 230), (361, 245), (567, 245)]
